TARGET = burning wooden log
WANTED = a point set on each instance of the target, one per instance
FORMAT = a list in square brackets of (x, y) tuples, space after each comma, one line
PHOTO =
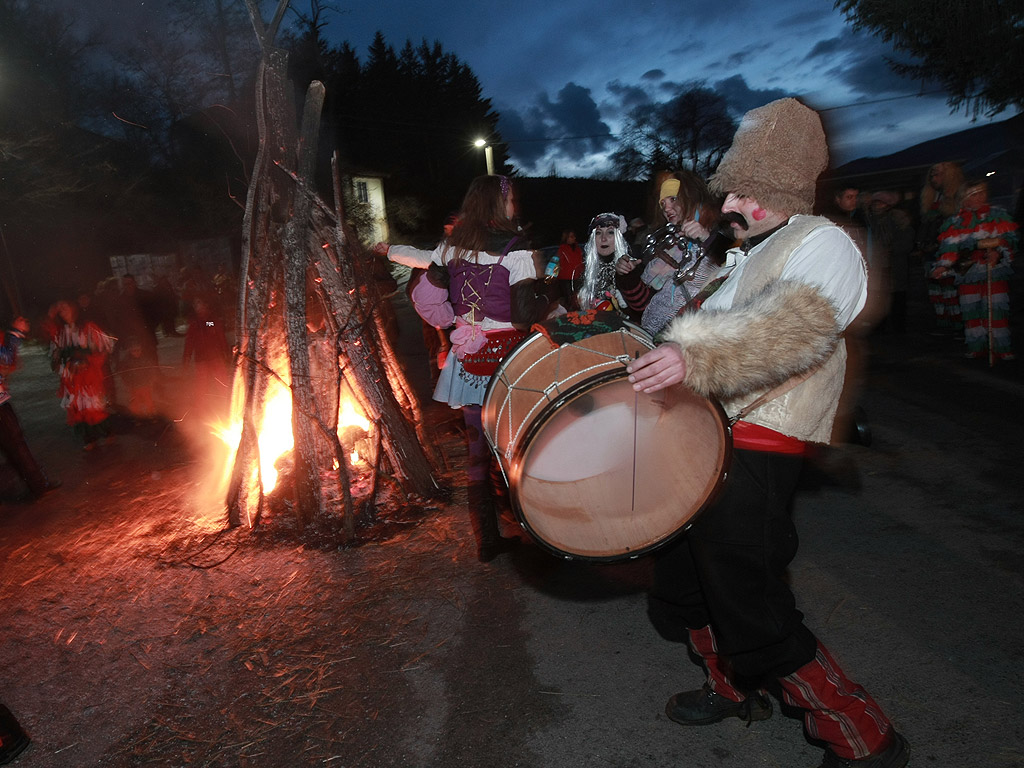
[(299, 260)]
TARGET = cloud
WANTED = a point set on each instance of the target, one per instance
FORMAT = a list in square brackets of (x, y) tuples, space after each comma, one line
[(525, 135), (808, 18), (738, 59), (628, 96), (569, 125), (824, 48), (741, 98), (575, 112)]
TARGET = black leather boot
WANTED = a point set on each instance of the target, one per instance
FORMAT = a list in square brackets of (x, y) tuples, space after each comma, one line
[(483, 516), (704, 707), (13, 738)]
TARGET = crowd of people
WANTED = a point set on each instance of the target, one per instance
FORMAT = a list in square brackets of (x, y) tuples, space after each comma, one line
[(102, 346), (103, 349), (952, 235), (755, 295), (750, 295)]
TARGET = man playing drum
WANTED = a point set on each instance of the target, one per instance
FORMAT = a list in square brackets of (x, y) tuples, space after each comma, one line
[(767, 343)]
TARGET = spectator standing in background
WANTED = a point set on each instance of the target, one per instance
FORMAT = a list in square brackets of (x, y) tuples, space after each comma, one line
[(570, 270), (12, 439), (976, 250), (938, 203)]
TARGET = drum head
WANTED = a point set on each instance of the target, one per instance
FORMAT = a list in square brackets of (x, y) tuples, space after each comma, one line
[(607, 473)]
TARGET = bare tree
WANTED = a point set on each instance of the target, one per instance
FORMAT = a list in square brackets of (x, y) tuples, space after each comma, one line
[(691, 131), (201, 57)]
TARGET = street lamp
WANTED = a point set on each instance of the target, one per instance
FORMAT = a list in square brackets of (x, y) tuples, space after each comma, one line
[(488, 155)]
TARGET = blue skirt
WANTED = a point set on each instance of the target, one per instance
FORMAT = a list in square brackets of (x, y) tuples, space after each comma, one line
[(457, 387)]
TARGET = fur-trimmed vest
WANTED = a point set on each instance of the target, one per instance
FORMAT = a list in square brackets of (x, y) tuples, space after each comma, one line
[(775, 330)]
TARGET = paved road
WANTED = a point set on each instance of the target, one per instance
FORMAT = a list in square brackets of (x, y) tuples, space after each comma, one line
[(910, 570)]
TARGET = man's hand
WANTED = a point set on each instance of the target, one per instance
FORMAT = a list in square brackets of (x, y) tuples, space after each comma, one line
[(694, 231), (660, 368)]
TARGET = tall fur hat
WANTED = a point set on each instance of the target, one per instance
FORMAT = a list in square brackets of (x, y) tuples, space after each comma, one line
[(776, 156)]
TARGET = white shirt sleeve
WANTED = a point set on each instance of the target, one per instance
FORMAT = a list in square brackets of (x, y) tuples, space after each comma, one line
[(828, 259), (520, 266), (410, 256)]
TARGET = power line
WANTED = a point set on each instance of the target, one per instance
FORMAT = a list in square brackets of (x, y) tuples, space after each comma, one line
[(880, 101)]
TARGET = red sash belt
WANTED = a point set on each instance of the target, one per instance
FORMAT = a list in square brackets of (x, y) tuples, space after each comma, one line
[(754, 437)]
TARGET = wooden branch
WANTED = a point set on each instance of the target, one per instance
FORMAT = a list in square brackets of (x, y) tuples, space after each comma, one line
[(308, 498), (250, 195)]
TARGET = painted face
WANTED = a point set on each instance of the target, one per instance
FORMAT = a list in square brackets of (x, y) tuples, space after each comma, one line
[(604, 241), (672, 208), (759, 220)]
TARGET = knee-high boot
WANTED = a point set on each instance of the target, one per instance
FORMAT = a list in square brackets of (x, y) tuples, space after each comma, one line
[(838, 711), (483, 515)]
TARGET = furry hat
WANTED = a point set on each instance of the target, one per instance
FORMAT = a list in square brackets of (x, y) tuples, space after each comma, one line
[(776, 156)]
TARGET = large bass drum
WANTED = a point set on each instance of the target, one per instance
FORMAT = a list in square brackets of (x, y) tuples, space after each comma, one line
[(597, 471)]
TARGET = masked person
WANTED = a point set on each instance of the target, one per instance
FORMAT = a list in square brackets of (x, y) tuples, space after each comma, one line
[(767, 344), (78, 355), (976, 249)]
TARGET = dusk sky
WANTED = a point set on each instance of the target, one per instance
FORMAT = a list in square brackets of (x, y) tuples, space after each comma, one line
[(563, 75), (573, 69)]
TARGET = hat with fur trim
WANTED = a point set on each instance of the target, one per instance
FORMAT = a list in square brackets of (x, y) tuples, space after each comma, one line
[(776, 156)]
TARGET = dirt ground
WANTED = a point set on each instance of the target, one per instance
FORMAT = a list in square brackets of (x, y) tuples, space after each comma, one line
[(140, 630)]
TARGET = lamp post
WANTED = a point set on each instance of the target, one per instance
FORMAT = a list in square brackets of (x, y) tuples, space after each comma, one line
[(488, 155)]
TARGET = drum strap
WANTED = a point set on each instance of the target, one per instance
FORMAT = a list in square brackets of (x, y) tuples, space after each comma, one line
[(778, 391), (773, 393)]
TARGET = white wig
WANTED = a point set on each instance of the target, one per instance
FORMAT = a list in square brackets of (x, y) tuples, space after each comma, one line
[(595, 278)]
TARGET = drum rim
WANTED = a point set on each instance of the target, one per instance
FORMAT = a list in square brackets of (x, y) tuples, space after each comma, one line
[(516, 468), (634, 330)]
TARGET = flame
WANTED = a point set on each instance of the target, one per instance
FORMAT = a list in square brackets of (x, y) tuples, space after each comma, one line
[(349, 416), (275, 432), (275, 436)]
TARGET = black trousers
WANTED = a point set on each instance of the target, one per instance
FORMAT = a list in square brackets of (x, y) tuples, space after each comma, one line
[(15, 450), (729, 571)]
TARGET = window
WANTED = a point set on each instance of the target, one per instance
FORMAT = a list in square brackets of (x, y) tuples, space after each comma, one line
[(362, 192)]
